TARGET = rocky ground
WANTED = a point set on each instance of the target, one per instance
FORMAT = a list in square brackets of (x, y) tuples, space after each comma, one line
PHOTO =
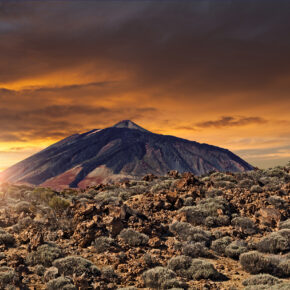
[(180, 231)]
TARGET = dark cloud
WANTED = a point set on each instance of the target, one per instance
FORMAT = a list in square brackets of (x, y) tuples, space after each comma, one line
[(228, 121), (59, 121), (176, 45), (70, 66)]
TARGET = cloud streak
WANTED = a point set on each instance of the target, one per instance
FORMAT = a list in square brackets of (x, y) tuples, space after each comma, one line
[(229, 121), (175, 67)]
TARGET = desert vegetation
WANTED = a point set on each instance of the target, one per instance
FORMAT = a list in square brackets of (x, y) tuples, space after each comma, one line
[(179, 231)]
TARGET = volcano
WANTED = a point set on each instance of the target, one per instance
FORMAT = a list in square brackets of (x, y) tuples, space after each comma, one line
[(116, 153)]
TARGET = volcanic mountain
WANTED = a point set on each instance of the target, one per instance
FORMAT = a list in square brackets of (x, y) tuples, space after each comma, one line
[(122, 151)]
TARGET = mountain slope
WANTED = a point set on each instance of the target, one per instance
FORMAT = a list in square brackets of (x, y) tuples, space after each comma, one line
[(118, 152)]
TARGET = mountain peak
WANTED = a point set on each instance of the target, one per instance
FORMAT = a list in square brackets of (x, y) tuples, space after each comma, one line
[(129, 125)]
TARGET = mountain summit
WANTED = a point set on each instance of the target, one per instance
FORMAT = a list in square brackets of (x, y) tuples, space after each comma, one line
[(129, 125), (122, 151)]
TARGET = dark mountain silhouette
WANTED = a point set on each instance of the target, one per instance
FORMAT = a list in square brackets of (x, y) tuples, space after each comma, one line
[(124, 150)]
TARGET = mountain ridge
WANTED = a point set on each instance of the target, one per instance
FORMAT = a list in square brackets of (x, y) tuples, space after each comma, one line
[(124, 150)]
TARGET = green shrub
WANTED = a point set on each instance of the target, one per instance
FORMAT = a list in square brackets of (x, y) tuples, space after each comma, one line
[(76, 265), (246, 183), (23, 223), (285, 224), (108, 197), (133, 238), (186, 232), (256, 189), (280, 286), (103, 244), (23, 206), (189, 201), (196, 250), (220, 245), (6, 238), (283, 268), (42, 194), (278, 202), (157, 277), (61, 283), (235, 249), (128, 288), (174, 284), (217, 221), (255, 263), (162, 185), (275, 242), (261, 279), (44, 255), (109, 275), (197, 215), (180, 265), (58, 204), (201, 269), (8, 277), (50, 273), (39, 270), (244, 224)]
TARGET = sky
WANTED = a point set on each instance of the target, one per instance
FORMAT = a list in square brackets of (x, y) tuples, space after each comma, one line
[(216, 72)]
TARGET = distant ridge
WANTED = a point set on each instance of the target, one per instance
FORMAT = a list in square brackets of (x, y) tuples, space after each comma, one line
[(122, 151)]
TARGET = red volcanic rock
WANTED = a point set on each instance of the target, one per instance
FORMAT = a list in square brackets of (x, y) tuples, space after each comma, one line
[(269, 216)]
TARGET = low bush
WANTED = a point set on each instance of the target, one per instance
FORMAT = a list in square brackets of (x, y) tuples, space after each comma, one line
[(275, 242), (283, 268), (280, 286), (157, 277), (103, 244), (44, 255), (256, 189), (278, 202), (186, 232), (285, 224), (220, 245), (197, 215), (133, 238), (23, 206), (189, 201), (149, 260), (201, 269), (50, 273), (246, 183), (235, 249), (261, 279), (175, 284), (255, 262), (180, 265), (42, 194), (217, 221), (6, 238), (245, 225), (76, 265), (23, 224), (61, 283), (109, 275), (58, 204), (214, 193), (196, 250), (163, 185), (8, 277), (108, 197), (39, 270)]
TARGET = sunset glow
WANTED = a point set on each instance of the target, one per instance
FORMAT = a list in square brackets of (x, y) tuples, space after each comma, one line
[(220, 77)]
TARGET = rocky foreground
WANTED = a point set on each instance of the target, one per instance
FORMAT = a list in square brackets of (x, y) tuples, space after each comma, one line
[(180, 231)]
